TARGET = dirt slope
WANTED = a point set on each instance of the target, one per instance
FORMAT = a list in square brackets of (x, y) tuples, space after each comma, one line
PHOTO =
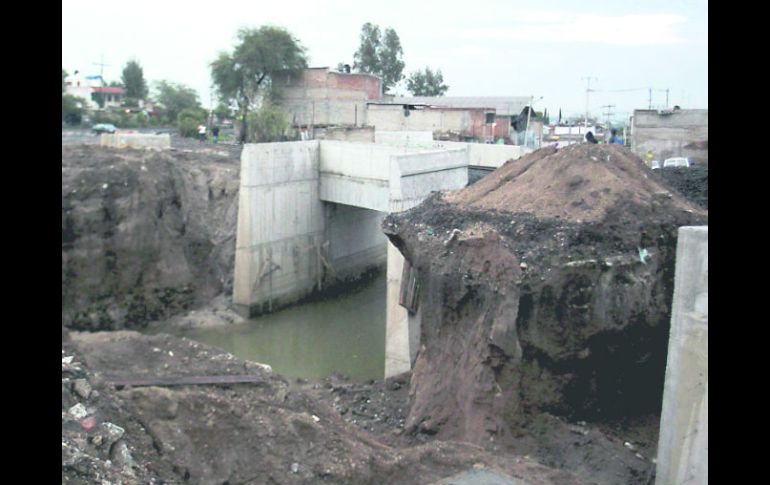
[(545, 287), (265, 432), (145, 234)]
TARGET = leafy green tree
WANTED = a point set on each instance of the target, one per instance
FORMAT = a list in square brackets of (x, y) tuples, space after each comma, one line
[(175, 98), (366, 58), (133, 80), (245, 75), (63, 80), (380, 54), (72, 109), (426, 83), (268, 124), (188, 120), (391, 60)]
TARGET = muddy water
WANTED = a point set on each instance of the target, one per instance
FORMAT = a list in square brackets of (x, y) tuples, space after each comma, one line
[(313, 340)]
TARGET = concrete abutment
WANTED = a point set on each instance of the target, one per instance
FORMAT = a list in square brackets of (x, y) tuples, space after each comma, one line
[(310, 214)]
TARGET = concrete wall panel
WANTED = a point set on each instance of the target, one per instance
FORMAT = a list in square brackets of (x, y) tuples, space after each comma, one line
[(683, 442)]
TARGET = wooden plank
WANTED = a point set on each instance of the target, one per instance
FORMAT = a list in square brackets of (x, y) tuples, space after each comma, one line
[(187, 380)]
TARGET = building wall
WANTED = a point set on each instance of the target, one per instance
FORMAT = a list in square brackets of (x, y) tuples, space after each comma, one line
[(681, 134), (465, 122), (320, 97)]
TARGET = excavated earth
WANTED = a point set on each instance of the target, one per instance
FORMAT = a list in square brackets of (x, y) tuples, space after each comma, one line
[(145, 234), (543, 333), (545, 290)]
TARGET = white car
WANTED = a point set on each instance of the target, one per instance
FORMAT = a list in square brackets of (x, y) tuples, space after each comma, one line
[(676, 162), (655, 164)]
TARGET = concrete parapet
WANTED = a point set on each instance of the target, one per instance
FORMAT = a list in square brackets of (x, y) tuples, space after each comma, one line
[(683, 442), (136, 140)]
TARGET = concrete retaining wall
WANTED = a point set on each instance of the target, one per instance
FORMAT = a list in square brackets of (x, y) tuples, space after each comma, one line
[(136, 140), (484, 154), (280, 225), (683, 442), (356, 240)]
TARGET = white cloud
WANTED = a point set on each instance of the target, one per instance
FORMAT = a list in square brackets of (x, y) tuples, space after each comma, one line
[(655, 29)]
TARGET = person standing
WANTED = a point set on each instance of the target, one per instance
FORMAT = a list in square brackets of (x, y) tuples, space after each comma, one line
[(615, 139), (202, 132), (215, 133)]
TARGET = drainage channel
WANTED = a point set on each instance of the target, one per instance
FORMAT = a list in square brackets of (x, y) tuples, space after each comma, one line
[(313, 340)]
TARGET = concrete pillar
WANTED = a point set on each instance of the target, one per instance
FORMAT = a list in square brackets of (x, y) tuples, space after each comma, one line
[(397, 352), (683, 443)]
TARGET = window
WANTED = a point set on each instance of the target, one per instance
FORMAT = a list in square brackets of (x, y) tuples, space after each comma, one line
[(490, 118)]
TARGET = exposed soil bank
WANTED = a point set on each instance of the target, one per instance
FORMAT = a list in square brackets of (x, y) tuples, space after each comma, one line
[(263, 432), (544, 287), (145, 234)]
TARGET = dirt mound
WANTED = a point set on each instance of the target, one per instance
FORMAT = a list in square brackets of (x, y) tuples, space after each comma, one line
[(145, 234), (580, 183), (692, 182), (261, 432), (544, 288)]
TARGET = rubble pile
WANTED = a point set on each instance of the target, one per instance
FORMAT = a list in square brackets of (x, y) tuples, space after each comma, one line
[(546, 287)]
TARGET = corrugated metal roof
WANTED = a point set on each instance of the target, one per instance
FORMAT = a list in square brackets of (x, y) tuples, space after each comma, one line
[(504, 105)]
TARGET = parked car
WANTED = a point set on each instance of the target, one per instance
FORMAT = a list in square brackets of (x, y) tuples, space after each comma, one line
[(103, 128), (655, 164), (676, 162)]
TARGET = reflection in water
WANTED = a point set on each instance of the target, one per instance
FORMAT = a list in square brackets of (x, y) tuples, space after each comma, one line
[(345, 334)]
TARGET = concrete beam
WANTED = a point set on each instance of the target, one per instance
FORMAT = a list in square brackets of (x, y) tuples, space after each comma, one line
[(683, 442)]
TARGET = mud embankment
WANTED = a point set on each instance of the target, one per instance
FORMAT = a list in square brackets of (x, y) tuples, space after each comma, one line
[(545, 288), (145, 234)]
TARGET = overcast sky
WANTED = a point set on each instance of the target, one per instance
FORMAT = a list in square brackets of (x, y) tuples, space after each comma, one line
[(483, 47)]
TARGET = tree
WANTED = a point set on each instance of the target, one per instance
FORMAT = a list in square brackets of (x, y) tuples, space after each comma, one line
[(391, 60), (175, 98), (133, 80), (63, 80), (381, 55), (72, 109), (245, 75), (366, 59), (426, 83), (188, 120), (268, 124)]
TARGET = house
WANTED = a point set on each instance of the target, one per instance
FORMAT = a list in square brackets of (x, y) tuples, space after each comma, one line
[(671, 133), (506, 109), (322, 97), (446, 123), (91, 89)]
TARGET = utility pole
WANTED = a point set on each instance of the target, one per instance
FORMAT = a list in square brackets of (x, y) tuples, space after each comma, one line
[(101, 68), (649, 103), (588, 90), (666, 98), (608, 113)]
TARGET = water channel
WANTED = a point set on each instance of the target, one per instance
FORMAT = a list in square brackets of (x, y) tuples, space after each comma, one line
[(313, 340)]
